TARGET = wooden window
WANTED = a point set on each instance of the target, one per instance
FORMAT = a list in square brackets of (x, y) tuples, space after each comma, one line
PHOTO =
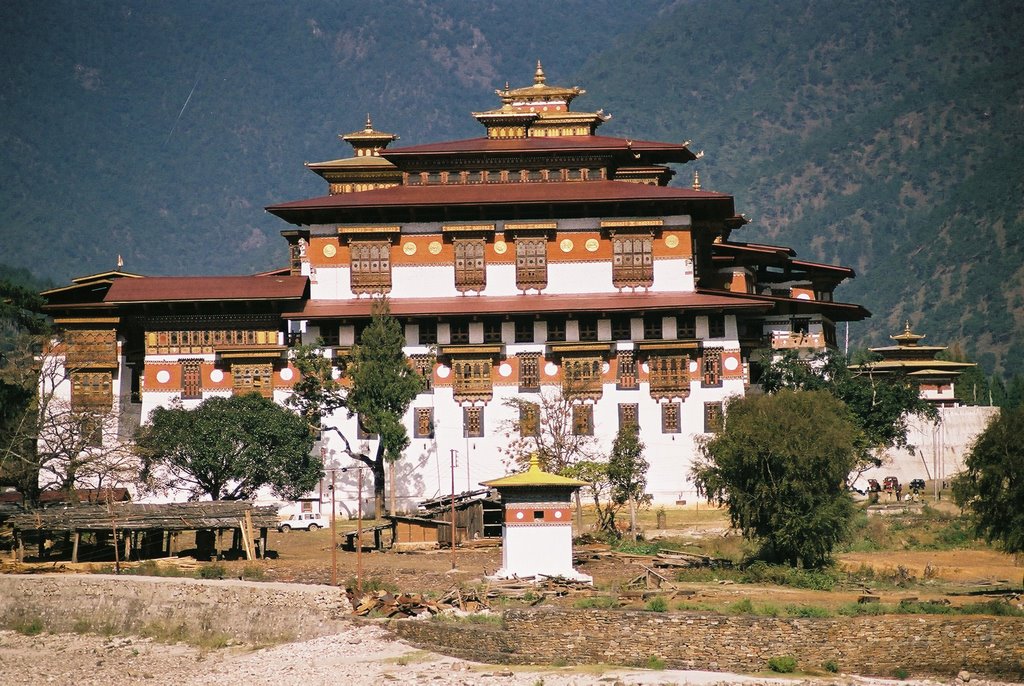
[(669, 376), (622, 328), (529, 372), (529, 419), (670, 423), (801, 325), (330, 334), (252, 378), (424, 427), (531, 263), (524, 330), (472, 379), (583, 420), (362, 433), (93, 348), (712, 417), (91, 391), (686, 326), (632, 261), (295, 255), (711, 366), (716, 326), (371, 266), (653, 327), (459, 332), (588, 328), (191, 379), (427, 332), (473, 422), (470, 273), (492, 331), (556, 329), (424, 366), (629, 415), (627, 380), (583, 374)]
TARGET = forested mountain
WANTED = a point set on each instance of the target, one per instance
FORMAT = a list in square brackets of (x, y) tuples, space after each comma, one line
[(883, 135)]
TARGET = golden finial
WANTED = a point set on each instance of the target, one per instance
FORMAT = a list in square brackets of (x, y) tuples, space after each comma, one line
[(534, 462), (538, 77), (369, 124), (120, 261), (906, 327), (696, 180)]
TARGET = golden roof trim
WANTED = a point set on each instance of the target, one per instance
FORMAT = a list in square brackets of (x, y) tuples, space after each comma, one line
[(631, 223), (467, 228), (87, 320), (349, 230)]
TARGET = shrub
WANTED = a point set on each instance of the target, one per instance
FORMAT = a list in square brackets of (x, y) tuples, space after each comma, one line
[(655, 662), (763, 573), (783, 664), (374, 583), (29, 627), (900, 673), (742, 607), (656, 604), (830, 666), (214, 570), (807, 611), (597, 602), (253, 572), (1000, 608)]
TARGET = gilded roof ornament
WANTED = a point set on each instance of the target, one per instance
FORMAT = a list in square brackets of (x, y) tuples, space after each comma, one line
[(696, 180), (538, 76)]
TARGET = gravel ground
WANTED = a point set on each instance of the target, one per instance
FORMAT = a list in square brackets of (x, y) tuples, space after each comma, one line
[(362, 655)]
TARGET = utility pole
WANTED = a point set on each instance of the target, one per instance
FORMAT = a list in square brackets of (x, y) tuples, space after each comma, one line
[(334, 536), (359, 533), (455, 455)]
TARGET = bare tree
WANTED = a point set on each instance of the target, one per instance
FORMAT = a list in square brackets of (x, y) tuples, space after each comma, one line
[(548, 428)]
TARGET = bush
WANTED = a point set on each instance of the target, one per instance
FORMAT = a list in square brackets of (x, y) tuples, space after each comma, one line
[(830, 666), (214, 570), (656, 604), (742, 607), (807, 611), (783, 664), (655, 662), (763, 573), (29, 627), (253, 572), (597, 602), (900, 673), (1000, 608)]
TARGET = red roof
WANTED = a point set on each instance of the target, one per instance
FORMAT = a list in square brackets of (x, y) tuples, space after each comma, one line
[(500, 196), (666, 152), (194, 288), (836, 311), (527, 304)]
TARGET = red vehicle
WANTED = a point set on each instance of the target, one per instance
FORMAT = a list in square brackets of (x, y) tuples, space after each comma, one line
[(873, 486), (891, 484)]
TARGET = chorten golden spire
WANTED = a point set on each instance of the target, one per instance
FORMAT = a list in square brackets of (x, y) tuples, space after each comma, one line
[(696, 180), (538, 76)]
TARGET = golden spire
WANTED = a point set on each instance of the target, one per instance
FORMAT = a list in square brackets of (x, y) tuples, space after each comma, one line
[(696, 180), (369, 124), (538, 77)]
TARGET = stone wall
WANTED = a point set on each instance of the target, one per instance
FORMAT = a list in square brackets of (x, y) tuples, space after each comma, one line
[(246, 611), (922, 644)]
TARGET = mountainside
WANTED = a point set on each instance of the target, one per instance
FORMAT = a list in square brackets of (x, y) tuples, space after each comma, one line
[(883, 135)]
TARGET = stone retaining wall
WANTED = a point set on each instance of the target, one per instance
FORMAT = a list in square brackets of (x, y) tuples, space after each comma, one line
[(245, 611), (881, 645)]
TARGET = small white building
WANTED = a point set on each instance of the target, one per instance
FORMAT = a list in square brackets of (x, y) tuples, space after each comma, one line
[(536, 537)]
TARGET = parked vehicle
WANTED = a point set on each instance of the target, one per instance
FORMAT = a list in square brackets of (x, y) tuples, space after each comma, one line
[(873, 486), (917, 485), (310, 521), (891, 484)]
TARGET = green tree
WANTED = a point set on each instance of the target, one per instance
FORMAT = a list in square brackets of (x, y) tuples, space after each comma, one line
[(23, 330), (229, 448), (627, 471), (991, 487), (779, 466), (880, 405), (381, 384)]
